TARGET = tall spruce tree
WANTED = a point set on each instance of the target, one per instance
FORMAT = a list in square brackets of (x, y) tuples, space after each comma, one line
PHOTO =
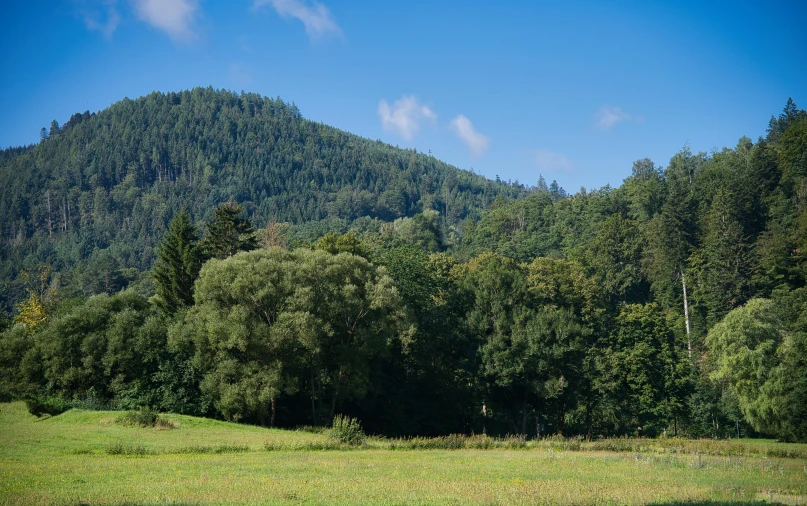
[(228, 232), (178, 262)]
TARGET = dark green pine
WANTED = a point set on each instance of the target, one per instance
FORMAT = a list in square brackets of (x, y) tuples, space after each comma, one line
[(177, 266), (228, 232)]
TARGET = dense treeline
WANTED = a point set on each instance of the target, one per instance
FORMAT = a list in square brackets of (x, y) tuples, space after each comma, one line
[(673, 304), (95, 196)]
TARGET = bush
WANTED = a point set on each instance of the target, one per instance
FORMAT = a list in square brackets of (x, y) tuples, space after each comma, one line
[(145, 417), (47, 405), (347, 430), (91, 402)]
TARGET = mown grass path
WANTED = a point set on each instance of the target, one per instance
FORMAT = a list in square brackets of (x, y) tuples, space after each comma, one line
[(62, 460)]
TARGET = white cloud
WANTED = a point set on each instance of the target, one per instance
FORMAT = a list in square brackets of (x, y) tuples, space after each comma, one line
[(608, 116), (404, 117), (316, 17), (175, 17), (464, 129), (105, 22), (550, 161)]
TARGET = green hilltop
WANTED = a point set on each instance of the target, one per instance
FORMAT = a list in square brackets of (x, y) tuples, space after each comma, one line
[(101, 188)]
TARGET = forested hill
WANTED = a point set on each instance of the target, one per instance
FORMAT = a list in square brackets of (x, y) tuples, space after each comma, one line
[(715, 228), (675, 303), (97, 193)]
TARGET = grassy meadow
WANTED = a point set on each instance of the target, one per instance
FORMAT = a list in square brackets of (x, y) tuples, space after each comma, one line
[(88, 457)]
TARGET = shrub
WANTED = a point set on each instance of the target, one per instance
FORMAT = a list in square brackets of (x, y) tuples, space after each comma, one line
[(47, 405), (145, 417), (91, 402), (347, 430)]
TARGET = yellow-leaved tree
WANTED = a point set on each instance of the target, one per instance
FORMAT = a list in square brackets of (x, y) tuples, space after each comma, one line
[(42, 293)]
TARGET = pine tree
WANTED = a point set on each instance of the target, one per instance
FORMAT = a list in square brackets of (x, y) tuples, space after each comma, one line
[(722, 261), (228, 233), (177, 266)]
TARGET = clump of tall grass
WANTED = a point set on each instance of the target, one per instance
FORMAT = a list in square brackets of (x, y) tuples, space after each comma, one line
[(450, 442), (460, 441), (129, 449), (145, 417), (312, 429), (620, 444), (307, 446), (513, 442), (786, 453), (140, 450), (480, 442), (218, 449), (695, 446), (560, 443), (347, 430)]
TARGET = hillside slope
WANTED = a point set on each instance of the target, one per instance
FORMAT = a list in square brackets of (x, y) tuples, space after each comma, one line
[(104, 186)]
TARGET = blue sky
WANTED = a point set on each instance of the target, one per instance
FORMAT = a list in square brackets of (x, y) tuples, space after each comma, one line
[(572, 90)]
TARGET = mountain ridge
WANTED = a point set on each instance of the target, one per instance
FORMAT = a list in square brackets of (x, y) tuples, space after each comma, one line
[(113, 179)]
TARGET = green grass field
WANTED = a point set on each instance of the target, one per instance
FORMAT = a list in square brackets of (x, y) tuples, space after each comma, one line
[(85, 457)]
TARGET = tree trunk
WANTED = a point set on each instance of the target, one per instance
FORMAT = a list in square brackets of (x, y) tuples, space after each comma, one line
[(50, 220), (686, 314), (484, 417), (537, 423), (64, 214), (272, 419)]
